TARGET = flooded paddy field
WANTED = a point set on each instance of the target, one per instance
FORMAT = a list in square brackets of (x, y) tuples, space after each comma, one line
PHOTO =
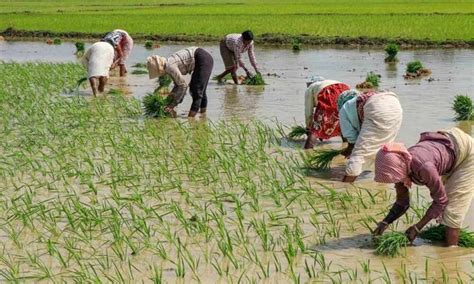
[(90, 190)]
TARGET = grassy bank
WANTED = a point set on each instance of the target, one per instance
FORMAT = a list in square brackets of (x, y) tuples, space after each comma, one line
[(435, 21)]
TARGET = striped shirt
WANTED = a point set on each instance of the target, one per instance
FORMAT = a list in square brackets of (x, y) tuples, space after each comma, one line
[(235, 42)]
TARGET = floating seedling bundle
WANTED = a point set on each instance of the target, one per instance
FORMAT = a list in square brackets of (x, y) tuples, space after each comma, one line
[(297, 132), (463, 107), (415, 69), (391, 49), (437, 234), (390, 244), (371, 81), (154, 105), (80, 47), (321, 159)]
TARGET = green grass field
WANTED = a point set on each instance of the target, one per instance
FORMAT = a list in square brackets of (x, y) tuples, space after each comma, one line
[(421, 20)]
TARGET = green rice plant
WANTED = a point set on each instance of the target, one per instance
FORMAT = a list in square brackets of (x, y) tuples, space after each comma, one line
[(297, 132), (414, 66), (148, 44), (80, 82), (392, 50), (437, 233), (390, 244), (256, 80), (154, 105), (80, 47), (373, 79), (321, 159), (164, 81), (139, 65), (464, 107), (57, 41), (296, 44), (139, 72)]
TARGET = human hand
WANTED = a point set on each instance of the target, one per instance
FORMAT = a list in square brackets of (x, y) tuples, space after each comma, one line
[(381, 227), (349, 178), (348, 151), (411, 233)]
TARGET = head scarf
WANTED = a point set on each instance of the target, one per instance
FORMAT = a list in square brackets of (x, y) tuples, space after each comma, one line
[(345, 97), (314, 79), (156, 66), (392, 164)]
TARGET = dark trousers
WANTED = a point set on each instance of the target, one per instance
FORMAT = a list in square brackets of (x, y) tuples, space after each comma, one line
[(200, 78)]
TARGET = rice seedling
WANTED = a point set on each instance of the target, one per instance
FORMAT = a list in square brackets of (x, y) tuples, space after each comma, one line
[(320, 159), (154, 105), (373, 79), (464, 107), (139, 72), (80, 47), (390, 244), (148, 44), (296, 44), (392, 50), (297, 132), (437, 233), (57, 41), (255, 80), (415, 69)]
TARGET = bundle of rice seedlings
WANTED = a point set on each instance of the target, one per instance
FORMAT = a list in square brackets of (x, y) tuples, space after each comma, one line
[(154, 105), (139, 65), (391, 49), (148, 44), (463, 107), (255, 80), (414, 66), (321, 159), (164, 81), (80, 47), (364, 85), (296, 44), (57, 41), (437, 233), (390, 244), (297, 132), (139, 72), (373, 79)]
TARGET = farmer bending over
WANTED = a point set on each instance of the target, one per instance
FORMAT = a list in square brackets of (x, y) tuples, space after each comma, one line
[(231, 48), (448, 153), (123, 44), (322, 119), (367, 122), (98, 60), (193, 60)]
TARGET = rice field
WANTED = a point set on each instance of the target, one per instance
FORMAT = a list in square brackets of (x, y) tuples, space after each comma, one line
[(92, 191), (421, 20)]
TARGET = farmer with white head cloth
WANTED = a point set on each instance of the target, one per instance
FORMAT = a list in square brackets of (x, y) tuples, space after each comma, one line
[(443, 161), (367, 121), (122, 42), (191, 60), (322, 119), (98, 60)]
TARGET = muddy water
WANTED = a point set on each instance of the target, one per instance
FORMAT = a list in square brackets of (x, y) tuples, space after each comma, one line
[(426, 105)]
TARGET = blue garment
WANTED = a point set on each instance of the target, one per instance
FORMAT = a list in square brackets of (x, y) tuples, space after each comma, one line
[(349, 120)]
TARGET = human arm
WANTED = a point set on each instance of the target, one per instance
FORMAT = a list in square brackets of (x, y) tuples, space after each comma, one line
[(309, 103), (253, 60), (429, 175), (180, 86), (400, 207)]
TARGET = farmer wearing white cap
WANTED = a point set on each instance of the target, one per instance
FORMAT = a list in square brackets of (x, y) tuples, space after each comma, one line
[(98, 60), (192, 60), (122, 42)]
